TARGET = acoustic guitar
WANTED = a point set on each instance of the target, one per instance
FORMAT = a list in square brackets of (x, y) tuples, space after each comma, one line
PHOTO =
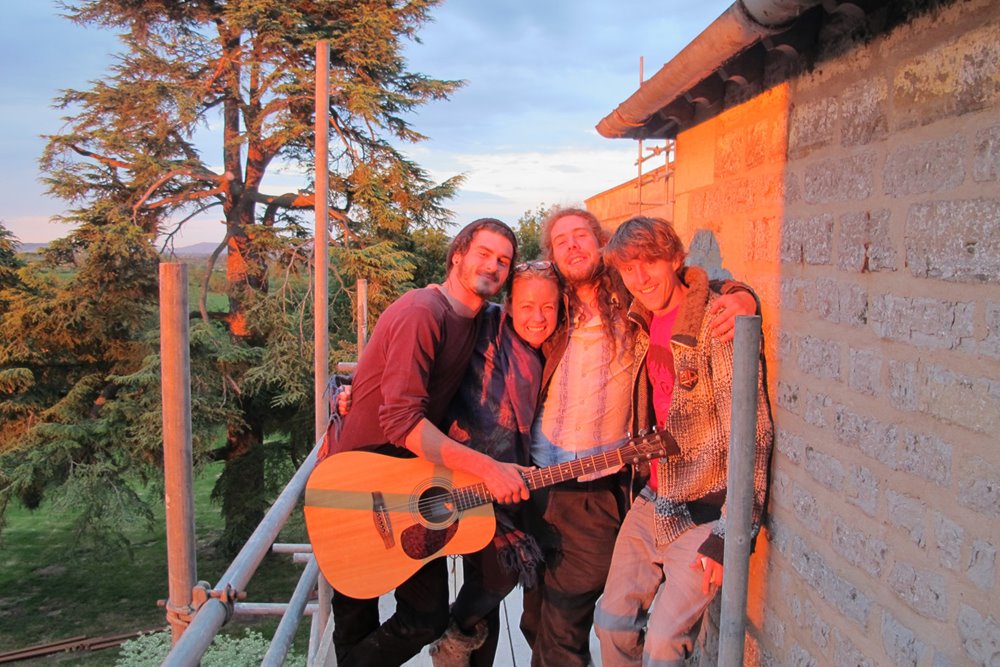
[(374, 520)]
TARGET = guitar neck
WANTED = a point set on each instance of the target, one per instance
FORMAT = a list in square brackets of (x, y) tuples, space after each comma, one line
[(477, 494)]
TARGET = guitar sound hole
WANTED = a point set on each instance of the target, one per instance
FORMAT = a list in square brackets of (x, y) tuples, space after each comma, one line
[(436, 506)]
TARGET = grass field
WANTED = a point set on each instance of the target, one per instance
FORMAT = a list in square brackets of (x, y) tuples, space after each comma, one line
[(216, 300), (51, 590)]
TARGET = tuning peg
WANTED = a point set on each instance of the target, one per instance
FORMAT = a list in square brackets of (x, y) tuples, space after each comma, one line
[(643, 432)]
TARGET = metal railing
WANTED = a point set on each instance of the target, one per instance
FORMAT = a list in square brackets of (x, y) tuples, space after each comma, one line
[(220, 604), (196, 611)]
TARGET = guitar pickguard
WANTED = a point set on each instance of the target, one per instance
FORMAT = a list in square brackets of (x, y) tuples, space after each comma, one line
[(419, 542), (436, 520)]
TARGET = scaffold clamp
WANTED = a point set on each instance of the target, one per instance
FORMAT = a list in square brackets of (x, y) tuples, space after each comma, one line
[(228, 596)]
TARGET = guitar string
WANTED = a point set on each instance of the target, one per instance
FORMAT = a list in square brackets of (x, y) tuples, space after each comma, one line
[(482, 495), (480, 492)]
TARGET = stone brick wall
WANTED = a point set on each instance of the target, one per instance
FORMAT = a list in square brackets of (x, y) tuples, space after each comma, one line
[(862, 200), (886, 509)]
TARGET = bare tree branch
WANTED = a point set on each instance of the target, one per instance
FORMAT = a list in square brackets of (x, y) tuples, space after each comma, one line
[(299, 200), (176, 199), (205, 175), (343, 139), (169, 236), (293, 200), (110, 161)]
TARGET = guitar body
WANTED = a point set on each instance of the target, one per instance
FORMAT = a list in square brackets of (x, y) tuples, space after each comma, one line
[(374, 520)]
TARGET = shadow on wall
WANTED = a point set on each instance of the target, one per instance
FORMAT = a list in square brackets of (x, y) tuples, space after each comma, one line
[(705, 252)]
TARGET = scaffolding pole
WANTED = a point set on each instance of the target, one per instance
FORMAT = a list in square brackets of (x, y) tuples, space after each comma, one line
[(221, 599), (175, 364), (321, 336), (285, 634), (739, 495), (321, 240), (362, 315)]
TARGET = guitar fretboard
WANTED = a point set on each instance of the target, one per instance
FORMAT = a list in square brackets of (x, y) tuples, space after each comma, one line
[(475, 495)]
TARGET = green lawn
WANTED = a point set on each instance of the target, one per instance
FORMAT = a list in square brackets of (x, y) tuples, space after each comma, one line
[(216, 300), (51, 590)]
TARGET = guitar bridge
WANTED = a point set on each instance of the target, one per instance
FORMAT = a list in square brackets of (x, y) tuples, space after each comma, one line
[(380, 515)]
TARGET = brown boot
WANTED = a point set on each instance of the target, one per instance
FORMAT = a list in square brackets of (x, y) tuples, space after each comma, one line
[(454, 647)]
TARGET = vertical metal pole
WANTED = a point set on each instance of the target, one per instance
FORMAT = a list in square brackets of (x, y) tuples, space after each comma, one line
[(739, 496), (175, 364), (639, 159), (362, 315), (324, 605), (669, 161), (321, 262)]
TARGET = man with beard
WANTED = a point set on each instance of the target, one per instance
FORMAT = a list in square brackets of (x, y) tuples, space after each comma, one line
[(412, 366), (587, 409)]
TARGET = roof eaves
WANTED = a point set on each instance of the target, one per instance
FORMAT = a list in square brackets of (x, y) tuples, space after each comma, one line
[(656, 109)]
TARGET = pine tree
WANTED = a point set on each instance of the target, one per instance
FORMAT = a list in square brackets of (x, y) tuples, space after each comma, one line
[(63, 335), (9, 262), (129, 159), (12, 378)]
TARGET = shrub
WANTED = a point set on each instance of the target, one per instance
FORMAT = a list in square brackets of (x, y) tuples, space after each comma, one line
[(247, 650)]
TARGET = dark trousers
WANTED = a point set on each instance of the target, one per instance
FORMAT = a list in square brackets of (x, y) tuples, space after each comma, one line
[(577, 524), (485, 584), (421, 617)]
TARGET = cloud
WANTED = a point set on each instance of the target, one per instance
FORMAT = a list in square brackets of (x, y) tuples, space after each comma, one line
[(508, 184), (540, 76), (543, 74)]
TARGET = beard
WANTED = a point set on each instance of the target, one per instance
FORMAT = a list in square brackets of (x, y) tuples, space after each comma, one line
[(484, 284), (487, 285), (582, 275)]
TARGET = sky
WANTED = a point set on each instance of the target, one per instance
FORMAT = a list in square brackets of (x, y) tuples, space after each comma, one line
[(540, 75)]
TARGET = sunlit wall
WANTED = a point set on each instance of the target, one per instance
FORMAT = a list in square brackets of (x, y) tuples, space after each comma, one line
[(861, 199)]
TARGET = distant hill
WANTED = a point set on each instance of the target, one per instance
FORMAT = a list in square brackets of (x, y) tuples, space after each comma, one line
[(31, 247), (203, 249)]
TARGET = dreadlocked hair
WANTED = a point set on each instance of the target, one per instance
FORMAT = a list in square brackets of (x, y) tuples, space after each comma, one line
[(612, 306), (612, 297)]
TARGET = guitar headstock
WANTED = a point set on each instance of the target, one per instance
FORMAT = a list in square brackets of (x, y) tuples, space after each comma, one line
[(649, 444)]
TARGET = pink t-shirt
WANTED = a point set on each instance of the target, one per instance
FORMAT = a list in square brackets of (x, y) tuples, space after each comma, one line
[(660, 367)]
